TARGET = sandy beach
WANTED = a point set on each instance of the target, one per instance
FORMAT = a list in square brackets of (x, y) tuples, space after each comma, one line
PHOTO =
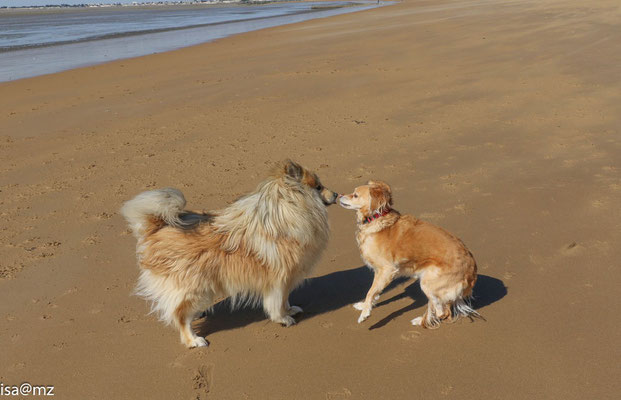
[(499, 121)]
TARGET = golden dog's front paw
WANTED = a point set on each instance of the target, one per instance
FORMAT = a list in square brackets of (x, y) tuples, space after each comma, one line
[(364, 315), (359, 306)]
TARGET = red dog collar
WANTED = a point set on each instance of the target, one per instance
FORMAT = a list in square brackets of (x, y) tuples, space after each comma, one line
[(366, 220)]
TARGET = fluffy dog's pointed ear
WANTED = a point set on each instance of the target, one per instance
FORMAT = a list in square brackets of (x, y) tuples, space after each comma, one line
[(381, 195), (294, 170)]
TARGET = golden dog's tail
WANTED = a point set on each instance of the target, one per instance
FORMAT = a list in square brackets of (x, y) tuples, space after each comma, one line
[(151, 210), (462, 307)]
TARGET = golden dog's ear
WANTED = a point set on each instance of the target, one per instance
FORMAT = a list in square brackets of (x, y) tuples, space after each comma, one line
[(381, 184), (294, 170), (381, 195)]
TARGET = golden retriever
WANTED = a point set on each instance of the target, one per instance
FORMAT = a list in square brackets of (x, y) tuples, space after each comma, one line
[(258, 249), (394, 245)]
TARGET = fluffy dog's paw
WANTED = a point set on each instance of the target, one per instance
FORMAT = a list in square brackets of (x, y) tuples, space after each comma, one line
[(294, 310), (417, 321), (198, 342), (287, 321), (359, 306), (364, 315)]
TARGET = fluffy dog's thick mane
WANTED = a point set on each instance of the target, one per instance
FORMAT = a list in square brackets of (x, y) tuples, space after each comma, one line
[(279, 211)]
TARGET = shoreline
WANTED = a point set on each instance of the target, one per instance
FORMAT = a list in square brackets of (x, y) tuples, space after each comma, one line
[(155, 6), (38, 59), (119, 5), (170, 29)]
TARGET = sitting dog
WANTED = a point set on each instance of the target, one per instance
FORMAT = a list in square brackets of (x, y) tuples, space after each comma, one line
[(394, 245), (257, 249)]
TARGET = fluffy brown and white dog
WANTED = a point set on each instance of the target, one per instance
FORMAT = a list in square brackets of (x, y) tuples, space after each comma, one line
[(259, 248), (401, 245)]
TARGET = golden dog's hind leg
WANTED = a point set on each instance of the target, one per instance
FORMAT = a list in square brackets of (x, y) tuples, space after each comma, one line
[(429, 320), (382, 278), (435, 306), (447, 312)]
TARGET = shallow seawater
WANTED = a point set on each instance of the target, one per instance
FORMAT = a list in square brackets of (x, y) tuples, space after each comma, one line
[(39, 42)]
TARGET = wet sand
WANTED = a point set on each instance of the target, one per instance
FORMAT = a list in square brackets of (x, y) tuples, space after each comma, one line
[(499, 122)]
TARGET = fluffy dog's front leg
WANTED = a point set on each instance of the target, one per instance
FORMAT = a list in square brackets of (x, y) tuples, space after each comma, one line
[(276, 306), (382, 278)]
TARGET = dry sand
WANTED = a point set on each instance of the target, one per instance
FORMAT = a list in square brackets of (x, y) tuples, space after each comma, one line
[(497, 120)]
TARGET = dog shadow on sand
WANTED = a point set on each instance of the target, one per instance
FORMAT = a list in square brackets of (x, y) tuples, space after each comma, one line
[(342, 289)]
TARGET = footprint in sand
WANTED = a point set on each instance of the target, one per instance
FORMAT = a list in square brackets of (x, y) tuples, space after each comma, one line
[(460, 208), (17, 366), (103, 216), (59, 346), (340, 394), (450, 187), (91, 240), (410, 336), (431, 216), (446, 390), (202, 381), (508, 275), (598, 203)]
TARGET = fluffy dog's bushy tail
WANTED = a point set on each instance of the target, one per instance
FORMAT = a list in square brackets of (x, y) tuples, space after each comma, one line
[(153, 208)]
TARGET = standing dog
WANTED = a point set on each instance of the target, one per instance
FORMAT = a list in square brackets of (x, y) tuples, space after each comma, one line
[(393, 244), (259, 248)]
